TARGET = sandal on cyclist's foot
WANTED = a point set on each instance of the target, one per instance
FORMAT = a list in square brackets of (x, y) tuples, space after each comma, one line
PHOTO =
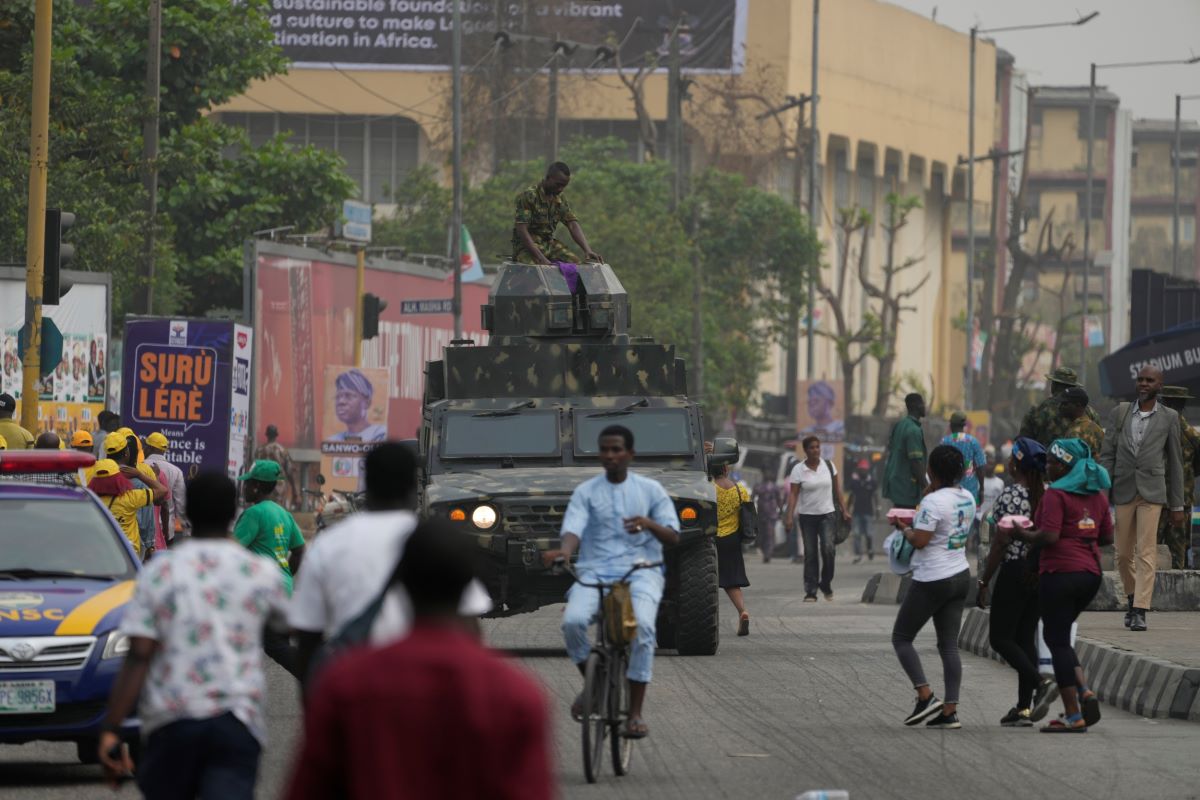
[(636, 729), (744, 625)]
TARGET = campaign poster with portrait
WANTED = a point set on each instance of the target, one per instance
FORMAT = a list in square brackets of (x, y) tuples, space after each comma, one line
[(820, 412), (354, 421), (71, 397), (979, 425)]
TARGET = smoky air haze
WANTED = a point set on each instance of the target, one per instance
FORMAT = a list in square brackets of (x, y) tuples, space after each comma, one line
[(1126, 30)]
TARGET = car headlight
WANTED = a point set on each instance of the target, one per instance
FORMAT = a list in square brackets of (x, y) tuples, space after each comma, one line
[(116, 646), (484, 517)]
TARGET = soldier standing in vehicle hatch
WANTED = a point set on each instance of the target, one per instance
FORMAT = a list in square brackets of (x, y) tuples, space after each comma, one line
[(540, 209)]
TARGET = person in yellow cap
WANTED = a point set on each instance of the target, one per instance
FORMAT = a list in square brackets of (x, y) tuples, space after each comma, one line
[(122, 448), (10, 429), (268, 529), (174, 511), (113, 484), (81, 440)]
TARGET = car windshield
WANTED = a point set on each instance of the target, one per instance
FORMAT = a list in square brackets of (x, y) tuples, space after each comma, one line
[(527, 434), (659, 432), (60, 536)]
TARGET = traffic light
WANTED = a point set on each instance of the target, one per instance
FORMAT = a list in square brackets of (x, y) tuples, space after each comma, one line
[(55, 255), (372, 307)]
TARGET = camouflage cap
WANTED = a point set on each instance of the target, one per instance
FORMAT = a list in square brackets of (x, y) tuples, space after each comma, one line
[(1178, 392), (1064, 375)]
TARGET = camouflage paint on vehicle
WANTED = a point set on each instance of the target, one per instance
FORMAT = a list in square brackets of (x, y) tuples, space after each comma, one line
[(561, 361)]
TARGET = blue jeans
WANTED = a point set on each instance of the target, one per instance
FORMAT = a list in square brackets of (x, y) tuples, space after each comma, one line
[(211, 759), (583, 604), (819, 552), (862, 535)]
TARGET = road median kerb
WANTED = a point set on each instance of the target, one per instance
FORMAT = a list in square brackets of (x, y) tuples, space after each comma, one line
[(1134, 682)]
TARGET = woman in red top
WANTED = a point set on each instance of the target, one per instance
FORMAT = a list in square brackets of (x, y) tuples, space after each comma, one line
[(1072, 520)]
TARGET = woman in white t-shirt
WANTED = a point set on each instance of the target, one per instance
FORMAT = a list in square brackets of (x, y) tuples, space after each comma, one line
[(815, 499), (940, 581)]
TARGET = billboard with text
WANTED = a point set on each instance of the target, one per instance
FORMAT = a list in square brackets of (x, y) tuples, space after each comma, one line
[(416, 34)]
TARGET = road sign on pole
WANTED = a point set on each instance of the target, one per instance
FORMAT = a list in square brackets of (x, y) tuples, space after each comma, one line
[(52, 346)]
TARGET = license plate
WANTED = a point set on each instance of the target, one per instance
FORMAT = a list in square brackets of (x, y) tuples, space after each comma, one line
[(26, 697)]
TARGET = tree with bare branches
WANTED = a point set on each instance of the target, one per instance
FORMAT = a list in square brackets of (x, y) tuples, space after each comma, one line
[(846, 337), (892, 300)]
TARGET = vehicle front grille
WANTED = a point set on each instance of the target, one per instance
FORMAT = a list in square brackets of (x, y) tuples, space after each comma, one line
[(541, 517), (49, 653)]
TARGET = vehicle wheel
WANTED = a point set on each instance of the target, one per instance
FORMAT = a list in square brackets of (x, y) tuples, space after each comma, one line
[(698, 633), (618, 714), (595, 715), (86, 750)]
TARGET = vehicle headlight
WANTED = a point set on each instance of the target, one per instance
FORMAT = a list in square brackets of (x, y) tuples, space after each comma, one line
[(484, 517), (116, 646)]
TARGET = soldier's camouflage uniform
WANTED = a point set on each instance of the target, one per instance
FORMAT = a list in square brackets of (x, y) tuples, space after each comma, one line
[(542, 213), (1178, 537), (1086, 429), (1044, 423)]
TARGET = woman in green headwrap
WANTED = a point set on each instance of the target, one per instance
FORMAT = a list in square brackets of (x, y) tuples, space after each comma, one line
[(1072, 520)]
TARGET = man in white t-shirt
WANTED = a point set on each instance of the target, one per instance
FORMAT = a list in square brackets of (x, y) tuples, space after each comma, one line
[(349, 565)]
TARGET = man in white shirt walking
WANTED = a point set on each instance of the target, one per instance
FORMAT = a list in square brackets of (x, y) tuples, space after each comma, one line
[(195, 627), (348, 566)]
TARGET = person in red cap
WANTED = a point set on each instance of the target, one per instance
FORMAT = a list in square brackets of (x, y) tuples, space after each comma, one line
[(861, 486)]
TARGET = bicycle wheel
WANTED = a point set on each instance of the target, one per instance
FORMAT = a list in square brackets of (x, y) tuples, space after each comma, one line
[(618, 715), (595, 707)]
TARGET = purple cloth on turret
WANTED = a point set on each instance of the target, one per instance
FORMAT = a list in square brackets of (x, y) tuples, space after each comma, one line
[(571, 273)]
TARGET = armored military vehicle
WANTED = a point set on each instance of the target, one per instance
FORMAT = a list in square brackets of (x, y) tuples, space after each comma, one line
[(510, 428)]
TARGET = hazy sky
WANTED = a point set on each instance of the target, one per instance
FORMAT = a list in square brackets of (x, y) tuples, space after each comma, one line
[(1126, 30)]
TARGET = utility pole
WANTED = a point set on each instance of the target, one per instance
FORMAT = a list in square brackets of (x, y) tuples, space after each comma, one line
[(360, 286), (792, 369), (675, 115), (1175, 192), (150, 148), (35, 225), (814, 147), (1087, 227), (552, 104), (969, 365), (456, 156)]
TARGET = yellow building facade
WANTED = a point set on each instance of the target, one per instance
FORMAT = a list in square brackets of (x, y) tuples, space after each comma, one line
[(893, 90)]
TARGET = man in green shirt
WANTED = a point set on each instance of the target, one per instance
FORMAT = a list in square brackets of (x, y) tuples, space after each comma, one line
[(268, 529), (540, 210), (904, 471)]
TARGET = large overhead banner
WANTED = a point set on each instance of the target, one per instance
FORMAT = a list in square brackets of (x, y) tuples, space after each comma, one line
[(416, 34)]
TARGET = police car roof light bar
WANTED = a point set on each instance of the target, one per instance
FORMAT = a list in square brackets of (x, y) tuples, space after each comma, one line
[(44, 461)]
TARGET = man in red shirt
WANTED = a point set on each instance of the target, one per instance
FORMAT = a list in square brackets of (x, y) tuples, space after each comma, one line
[(436, 714)]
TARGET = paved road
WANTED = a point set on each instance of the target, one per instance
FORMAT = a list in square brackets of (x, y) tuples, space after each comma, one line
[(812, 699)]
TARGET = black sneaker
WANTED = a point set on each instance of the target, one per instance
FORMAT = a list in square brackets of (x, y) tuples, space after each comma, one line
[(1045, 694), (924, 710), (1016, 718), (810, 598), (944, 722), (1139, 620)]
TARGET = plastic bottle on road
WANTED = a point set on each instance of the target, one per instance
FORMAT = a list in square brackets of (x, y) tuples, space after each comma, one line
[(824, 794)]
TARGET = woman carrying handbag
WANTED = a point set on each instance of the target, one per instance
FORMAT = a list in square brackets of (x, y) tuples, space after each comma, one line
[(736, 522), (816, 500)]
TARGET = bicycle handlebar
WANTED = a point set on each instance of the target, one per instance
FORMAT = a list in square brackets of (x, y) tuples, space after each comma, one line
[(602, 584)]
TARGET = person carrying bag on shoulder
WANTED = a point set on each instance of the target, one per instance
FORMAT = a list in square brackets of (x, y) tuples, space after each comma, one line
[(736, 521)]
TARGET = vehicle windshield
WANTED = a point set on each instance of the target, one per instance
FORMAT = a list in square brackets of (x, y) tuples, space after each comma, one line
[(660, 432), (527, 434), (60, 536)]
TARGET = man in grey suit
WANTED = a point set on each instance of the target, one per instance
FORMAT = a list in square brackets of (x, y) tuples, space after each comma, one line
[(1142, 453)]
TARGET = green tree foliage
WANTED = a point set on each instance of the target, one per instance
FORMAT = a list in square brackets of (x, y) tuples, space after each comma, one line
[(214, 189), (752, 246)]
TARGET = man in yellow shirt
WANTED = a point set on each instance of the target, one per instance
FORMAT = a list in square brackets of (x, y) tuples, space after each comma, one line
[(121, 448), (112, 484), (82, 441)]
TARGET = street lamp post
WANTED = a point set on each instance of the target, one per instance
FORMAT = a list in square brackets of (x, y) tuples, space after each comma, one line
[(969, 367), (1087, 218), (1175, 175)]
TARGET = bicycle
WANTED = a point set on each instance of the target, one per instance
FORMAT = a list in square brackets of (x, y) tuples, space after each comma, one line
[(605, 689)]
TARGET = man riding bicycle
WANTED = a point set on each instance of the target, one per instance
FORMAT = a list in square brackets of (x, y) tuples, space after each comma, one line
[(616, 520)]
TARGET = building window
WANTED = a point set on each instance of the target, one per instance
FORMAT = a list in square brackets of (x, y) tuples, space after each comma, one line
[(1187, 230), (378, 151), (1101, 123)]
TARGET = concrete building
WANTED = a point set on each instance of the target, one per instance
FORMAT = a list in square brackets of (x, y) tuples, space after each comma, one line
[(1152, 197), (892, 117)]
